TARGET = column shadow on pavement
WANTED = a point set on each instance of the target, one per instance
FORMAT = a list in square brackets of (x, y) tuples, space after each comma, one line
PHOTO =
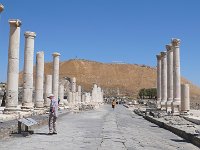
[(179, 140)]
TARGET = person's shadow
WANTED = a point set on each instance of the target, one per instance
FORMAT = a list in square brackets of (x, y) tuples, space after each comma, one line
[(41, 133)]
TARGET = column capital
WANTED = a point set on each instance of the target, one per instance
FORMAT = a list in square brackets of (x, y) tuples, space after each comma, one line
[(169, 47), (15, 22), (40, 54), (55, 54), (175, 42), (29, 34), (158, 57), (1, 8), (163, 54)]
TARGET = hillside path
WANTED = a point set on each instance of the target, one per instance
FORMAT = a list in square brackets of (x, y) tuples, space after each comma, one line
[(101, 129)]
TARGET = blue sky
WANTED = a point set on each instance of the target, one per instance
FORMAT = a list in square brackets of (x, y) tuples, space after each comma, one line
[(132, 31)]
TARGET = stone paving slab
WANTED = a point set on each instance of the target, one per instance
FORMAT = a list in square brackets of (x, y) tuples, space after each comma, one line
[(101, 129), (11, 126), (179, 126)]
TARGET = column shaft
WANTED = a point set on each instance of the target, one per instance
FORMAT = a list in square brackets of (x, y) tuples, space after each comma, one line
[(158, 81), (48, 90), (163, 79), (61, 94), (55, 74), (176, 76), (185, 98), (73, 84), (169, 77), (79, 94), (28, 70), (13, 65), (39, 101)]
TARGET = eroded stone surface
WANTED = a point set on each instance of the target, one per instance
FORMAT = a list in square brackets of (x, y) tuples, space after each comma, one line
[(102, 129)]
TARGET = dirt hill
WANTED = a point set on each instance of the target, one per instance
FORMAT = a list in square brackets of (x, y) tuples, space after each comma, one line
[(127, 79)]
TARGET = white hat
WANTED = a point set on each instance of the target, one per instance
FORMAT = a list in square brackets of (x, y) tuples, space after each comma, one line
[(50, 95)]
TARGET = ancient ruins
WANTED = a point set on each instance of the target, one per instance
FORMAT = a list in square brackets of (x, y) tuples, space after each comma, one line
[(35, 93), (171, 95), (112, 126)]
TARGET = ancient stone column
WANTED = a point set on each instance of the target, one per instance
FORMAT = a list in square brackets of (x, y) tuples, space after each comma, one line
[(79, 93), (55, 73), (99, 94), (1, 8), (27, 101), (73, 84), (163, 79), (69, 97), (94, 93), (176, 76), (48, 90), (13, 66), (61, 95), (158, 81), (39, 101), (185, 98), (169, 77), (73, 97), (83, 98)]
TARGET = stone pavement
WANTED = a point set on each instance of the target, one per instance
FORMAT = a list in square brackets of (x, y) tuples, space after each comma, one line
[(102, 129)]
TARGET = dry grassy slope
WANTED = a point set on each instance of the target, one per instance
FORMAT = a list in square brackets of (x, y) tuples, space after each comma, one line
[(127, 77)]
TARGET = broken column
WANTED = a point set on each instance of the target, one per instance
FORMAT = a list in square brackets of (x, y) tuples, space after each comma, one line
[(169, 77), (158, 81), (55, 74), (94, 93), (69, 98), (48, 90), (1, 8), (27, 102), (39, 101), (61, 95), (83, 98), (185, 98), (73, 84), (13, 66), (176, 77), (163, 80), (99, 94), (73, 87), (79, 94)]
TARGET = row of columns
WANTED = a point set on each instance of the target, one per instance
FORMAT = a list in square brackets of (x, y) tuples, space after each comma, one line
[(52, 81), (77, 96), (41, 91), (169, 80)]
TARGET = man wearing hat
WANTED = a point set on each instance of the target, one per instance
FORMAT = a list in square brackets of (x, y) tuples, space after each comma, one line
[(53, 114)]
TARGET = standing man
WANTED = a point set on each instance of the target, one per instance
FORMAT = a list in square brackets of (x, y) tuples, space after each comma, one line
[(53, 114), (113, 104)]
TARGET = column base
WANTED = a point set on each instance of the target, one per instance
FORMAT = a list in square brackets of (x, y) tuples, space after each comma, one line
[(169, 106), (184, 113), (39, 105), (27, 106), (163, 105), (11, 110), (46, 105), (158, 104), (176, 108)]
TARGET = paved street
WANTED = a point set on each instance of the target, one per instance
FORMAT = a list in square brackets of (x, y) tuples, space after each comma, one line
[(102, 129)]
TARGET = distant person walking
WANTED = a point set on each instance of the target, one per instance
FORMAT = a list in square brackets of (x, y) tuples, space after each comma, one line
[(53, 114), (113, 104)]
